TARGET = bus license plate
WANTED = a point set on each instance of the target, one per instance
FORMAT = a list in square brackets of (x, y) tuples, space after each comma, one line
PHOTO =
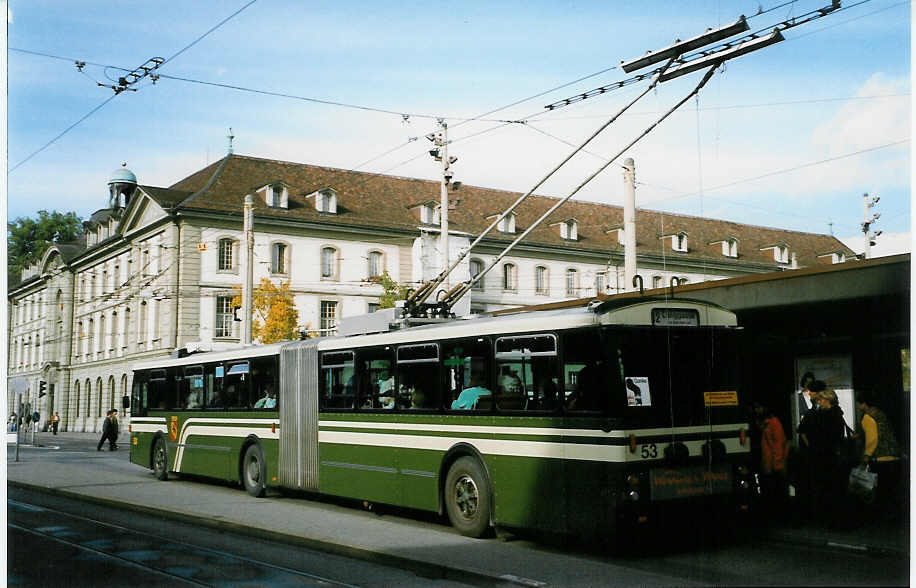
[(672, 483)]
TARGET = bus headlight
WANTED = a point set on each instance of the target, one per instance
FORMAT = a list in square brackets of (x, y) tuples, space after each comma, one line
[(633, 496), (742, 483)]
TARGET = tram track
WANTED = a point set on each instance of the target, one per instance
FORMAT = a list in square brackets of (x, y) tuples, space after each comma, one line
[(162, 559)]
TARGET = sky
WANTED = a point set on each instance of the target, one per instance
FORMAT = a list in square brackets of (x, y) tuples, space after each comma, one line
[(790, 136)]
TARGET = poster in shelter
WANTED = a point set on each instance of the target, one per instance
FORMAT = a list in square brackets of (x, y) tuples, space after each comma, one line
[(833, 370), (638, 391)]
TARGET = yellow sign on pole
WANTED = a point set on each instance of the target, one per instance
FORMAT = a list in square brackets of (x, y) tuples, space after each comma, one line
[(724, 398)]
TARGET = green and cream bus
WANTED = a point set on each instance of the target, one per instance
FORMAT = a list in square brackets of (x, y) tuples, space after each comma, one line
[(577, 419)]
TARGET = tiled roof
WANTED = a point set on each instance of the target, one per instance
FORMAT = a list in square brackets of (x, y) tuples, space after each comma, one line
[(165, 197), (373, 200)]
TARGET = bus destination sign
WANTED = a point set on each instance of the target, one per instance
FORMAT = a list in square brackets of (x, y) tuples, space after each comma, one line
[(675, 317), (670, 484)]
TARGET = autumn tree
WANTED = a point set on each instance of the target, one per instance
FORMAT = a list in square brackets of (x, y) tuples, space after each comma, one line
[(274, 314), (28, 238), (393, 291)]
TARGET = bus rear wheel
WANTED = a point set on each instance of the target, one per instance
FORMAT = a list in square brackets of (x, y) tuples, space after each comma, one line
[(254, 470), (160, 460), (467, 497)]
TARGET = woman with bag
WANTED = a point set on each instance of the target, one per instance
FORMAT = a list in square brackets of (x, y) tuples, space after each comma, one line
[(823, 429), (882, 452)]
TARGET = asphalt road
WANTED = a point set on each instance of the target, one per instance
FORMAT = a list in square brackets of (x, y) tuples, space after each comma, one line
[(89, 540)]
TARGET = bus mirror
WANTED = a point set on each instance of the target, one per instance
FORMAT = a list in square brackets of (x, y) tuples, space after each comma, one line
[(125, 402)]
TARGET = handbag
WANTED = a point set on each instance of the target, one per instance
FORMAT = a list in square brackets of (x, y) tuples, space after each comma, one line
[(862, 483)]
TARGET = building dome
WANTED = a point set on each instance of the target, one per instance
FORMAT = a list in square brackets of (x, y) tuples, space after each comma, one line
[(121, 187)]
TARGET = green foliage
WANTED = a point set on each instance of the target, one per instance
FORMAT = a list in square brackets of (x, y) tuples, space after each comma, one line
[(393, 291), (28, 238)]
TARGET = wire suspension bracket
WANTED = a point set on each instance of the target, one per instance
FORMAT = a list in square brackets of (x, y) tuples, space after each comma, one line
[(129, 79)]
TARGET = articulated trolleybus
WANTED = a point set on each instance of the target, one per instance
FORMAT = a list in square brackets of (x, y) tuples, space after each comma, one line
[(572, 420)]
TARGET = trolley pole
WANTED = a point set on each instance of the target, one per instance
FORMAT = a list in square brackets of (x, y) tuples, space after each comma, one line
[(248, 286)]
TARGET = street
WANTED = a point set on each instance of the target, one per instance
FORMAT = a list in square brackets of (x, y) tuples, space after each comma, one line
[(214, 534)]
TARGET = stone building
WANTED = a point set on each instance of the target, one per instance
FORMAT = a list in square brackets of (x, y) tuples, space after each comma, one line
[(157, 269)]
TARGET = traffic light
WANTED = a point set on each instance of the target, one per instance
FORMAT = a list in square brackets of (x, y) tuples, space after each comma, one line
[(42, 388)]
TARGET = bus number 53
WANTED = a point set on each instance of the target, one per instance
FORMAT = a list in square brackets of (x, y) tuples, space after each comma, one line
[(649, 451)]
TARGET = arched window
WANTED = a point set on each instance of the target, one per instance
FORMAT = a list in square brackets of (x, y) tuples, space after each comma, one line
[(116, 333), (103, 336), (124, 385), (91, 335), (476, 267), (572, 282), (510, 277), (88, 396), (376, 264), (279, 263), (76, 396), (111, 392), (540, 280), (226, 255), (98, 388), (328, 263)]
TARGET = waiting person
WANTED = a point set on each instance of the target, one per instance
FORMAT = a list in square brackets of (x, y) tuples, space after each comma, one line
[(55, 422), (13, 422), (882, 452), (805, 398), (824, 432), (468, 398), (774, 452), (106, 432)]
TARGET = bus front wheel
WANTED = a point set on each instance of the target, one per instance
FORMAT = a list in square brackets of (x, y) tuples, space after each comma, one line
[(160, 460), (467, 497), (254, 470)]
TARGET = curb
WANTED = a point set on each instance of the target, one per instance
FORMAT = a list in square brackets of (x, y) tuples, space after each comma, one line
[(421, 568)]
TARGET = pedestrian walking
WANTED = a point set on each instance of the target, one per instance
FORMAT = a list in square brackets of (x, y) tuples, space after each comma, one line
[(55, 422), (13, 422), (106, 431), (114, 431)]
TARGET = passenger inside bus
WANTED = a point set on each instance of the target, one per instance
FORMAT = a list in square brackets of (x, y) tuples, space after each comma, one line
[(511, 390), (386, 391), (469, 397), (417, 398), (269, 400)]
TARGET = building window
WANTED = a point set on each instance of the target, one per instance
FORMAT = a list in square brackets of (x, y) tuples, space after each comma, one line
[(510, 277), (507, 224), (572, 282), (683, 280), (92, 291), (328, 263), (326, 201), (540, 280), (730, 248), (476, 267), (679, 242), (144, 321), (226, 255), (76, 395), (657, 282), (328, 317), (278, 258), (376, 264), (225, 318), (91, 335), (569, 230), (371, 307), (600, 282), (839, 257)]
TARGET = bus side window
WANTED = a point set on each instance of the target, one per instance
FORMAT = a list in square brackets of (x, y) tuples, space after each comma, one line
[(591, 380), (467, 367), (236, 385), (527, 371), (375, 378), (337, 380), (264, 390), (418, 373)]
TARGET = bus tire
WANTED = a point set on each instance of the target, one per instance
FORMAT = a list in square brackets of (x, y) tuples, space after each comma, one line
[(467, 497), (254, 470), (160, 459)]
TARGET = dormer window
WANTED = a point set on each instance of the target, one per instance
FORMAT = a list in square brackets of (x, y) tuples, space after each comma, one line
[(569, 230), (838, 257), (326, 201), (729, 247), (619, 234), (780, 253), (429, 214), (276, 195), (506, 224), (679, 242)]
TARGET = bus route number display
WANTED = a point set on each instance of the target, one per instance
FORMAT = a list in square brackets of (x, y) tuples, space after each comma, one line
[(638, 391), (675, 317)]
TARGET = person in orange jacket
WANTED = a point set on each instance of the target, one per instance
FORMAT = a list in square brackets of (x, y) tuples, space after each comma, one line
[(774, 452)]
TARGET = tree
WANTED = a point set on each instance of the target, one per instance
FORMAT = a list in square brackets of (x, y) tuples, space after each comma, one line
[(393, 291), (28, 238), (275, 317)]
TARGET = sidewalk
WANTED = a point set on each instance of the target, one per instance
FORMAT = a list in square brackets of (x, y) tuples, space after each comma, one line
[(351, 531)]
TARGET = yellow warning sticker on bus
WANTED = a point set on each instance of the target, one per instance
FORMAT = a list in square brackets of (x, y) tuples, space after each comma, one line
[(724, 398)]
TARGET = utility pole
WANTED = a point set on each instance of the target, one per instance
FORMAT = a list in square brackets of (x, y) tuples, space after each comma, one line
[(440, 153), (629, 223), (248, 286), (867, 221)]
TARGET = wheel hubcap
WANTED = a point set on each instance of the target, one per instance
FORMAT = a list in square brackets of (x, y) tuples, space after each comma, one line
[(467, 498), (160, 459), (254, 471)]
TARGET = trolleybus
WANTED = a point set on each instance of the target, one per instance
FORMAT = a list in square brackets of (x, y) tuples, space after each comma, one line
[(576, 419)]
